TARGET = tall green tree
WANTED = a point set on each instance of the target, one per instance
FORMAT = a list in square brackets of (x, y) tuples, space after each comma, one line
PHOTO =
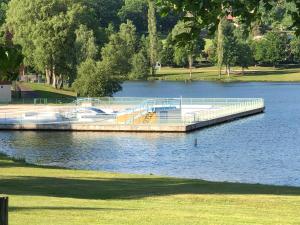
[(10, 55), (220, 45), (104, 11), (136, 11), (120, 49), (272, 49), (153, 40), (209, 12), (167, 53), (244, 55), (186, 50), (85, 44), (295, 48), (10, 61), (96, 79), (230, 46), (45, 29), (140, 61)]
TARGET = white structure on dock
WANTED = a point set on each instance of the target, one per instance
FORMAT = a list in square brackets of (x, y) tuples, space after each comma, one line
[(131, 114), (5, 92)]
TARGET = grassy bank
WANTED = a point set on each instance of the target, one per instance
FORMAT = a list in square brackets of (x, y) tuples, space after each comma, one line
[(41, 195), (46, 91), (259, 74)]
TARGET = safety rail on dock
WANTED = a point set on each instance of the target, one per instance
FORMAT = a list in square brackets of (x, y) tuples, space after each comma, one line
[(222, 107)]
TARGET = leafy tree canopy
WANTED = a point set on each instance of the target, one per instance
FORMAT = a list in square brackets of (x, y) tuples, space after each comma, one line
[(208, 13)]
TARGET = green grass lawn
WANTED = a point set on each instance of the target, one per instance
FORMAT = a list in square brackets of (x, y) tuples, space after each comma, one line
[(260, 74), (51, 196), (46, 91)]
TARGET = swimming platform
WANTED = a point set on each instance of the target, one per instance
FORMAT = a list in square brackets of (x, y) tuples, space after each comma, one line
[(127, 114)]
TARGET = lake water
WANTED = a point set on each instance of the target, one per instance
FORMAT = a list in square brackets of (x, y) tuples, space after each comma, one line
[(259, 149)]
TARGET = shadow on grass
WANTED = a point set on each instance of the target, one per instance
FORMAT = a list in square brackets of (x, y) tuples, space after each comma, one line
[(119, 188), (18, 209), (48, 94), (270, 72), (128, 188)]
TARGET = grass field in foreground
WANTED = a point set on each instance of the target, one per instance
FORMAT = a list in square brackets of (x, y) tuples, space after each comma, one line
[(259, 74), (46, 91), (52, 196)]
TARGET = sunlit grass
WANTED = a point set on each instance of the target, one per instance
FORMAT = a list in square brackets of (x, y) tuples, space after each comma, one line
[(51, 196), (260, 74), (46, 91)]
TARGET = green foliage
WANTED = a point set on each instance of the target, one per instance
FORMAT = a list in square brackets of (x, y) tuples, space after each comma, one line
[(104, 11), (153, 39), (273, 48), (140, 66), (46, 32), (220, 45), (122, 58), (230, 44), (3, 8), (295, 48), (95, 79), (230, 47), (136, 11), (85, 44), (167, 53), (10, 60), (279, 17), (120, 49), (187, 49), (244, 55)]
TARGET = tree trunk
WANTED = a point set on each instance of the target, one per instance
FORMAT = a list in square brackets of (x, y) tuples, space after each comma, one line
[(48, 76), (228, 71), (54, 78), (220, 46), (60, 82), (190, 65), (152, 30)]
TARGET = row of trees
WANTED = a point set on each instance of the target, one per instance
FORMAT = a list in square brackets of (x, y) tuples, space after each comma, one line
[(236, 43), (94, 45), (10, 55), (85, 43)]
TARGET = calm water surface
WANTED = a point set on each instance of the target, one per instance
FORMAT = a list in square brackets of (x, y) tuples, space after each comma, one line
[(259, 149)]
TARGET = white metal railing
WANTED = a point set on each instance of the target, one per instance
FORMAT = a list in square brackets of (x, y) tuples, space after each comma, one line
[(189, 114)]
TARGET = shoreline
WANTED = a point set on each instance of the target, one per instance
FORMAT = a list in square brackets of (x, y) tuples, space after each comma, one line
[(51, 195), (22, 161)]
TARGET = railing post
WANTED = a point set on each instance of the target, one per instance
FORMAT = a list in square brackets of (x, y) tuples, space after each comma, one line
[(3, 210)]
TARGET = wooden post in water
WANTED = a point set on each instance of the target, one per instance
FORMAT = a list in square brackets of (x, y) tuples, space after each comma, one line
[(3, 210)]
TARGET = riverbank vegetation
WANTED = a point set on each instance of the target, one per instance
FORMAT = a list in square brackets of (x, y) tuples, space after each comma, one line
[(46, 91), (44, 195), (93, 46), (252, 74)]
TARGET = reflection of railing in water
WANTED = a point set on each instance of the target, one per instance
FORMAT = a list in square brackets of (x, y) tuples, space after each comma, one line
[(221, 108)]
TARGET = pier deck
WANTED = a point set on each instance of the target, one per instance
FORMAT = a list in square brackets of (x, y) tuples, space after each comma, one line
[(162, 115)]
